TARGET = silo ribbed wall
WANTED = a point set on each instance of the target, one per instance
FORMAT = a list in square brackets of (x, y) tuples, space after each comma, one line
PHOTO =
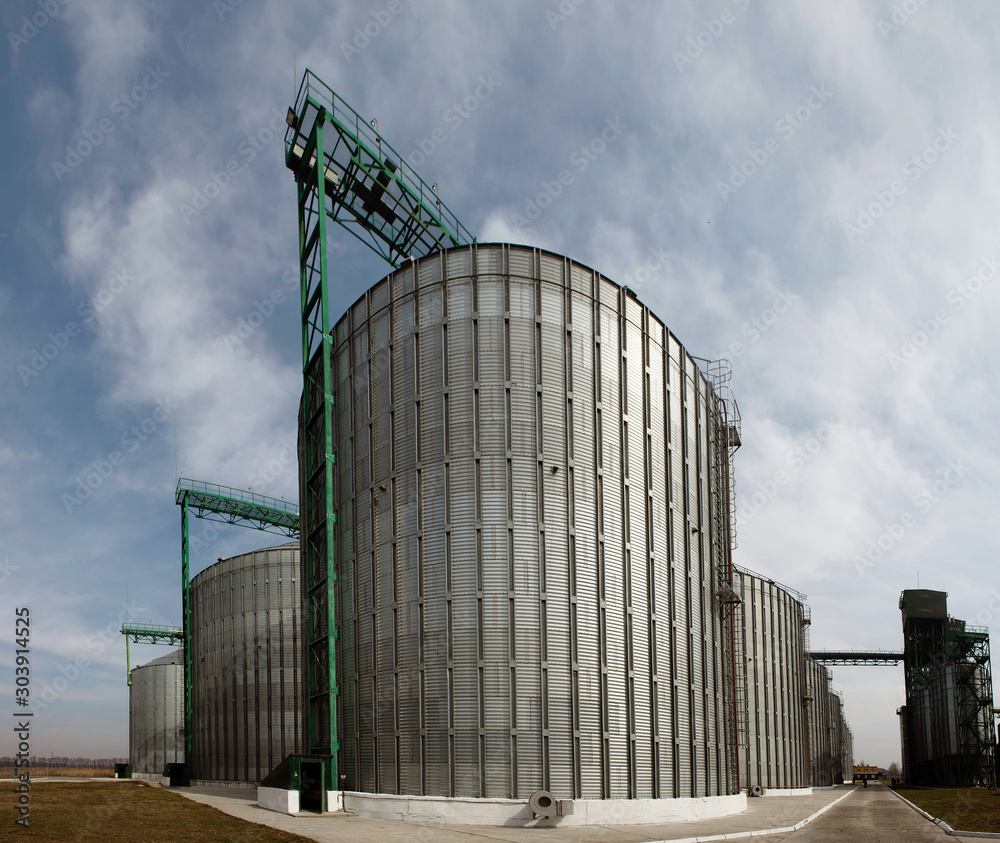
[(839, 740), (156, 715), (773, 649), (847, 758), (524, 537), (934, 723), (819, 716), (246, 664)]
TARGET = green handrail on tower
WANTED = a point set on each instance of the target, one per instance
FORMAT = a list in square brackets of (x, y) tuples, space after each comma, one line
[(373, 193), (237, 506), (346, 171), (149, 634)]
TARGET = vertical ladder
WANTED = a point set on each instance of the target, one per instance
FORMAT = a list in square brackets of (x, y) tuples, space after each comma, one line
[(740, 715), (725, 440)]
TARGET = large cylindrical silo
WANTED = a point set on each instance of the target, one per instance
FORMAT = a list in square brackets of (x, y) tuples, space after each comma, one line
[(772, 646), (527, 550), (246, 664), (156, 715)]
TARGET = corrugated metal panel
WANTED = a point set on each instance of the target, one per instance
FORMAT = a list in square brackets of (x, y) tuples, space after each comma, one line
[(521, 262), (505, 586), (429, 270), (459, 263)]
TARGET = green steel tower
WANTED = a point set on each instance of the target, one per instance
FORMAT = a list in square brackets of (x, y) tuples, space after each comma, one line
[(946, 725), (347, 173)]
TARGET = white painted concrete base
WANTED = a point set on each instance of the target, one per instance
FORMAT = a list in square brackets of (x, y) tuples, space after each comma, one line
[(511, 812), (287, 801), (275, 799), (788, 791), (217, 783), (515, 812)]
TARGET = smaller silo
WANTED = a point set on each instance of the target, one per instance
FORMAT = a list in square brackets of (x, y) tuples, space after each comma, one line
[(246, 664), (771, 647), (156, 715), (847, 750), (819, 724), (840, 741)]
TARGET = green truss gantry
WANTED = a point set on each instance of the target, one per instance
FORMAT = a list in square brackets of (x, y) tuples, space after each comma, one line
[(149, 634), (229, 506), (856, 656), (346, 172)]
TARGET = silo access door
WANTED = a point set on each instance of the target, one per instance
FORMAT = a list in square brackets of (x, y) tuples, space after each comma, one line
[(312, 793)]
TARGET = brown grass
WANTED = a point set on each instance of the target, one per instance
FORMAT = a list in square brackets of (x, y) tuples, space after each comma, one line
[(127, 812), (66, 772), (964, 809)]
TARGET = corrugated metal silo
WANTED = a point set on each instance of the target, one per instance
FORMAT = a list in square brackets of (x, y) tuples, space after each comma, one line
[(847, 750), (156, 715), (839, 740), (772, 647), (246, 645), (819, 719), (525, 537)]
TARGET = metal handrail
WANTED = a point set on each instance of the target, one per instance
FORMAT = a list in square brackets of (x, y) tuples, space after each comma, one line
[(127, 628), (228, 493), (317, 93)]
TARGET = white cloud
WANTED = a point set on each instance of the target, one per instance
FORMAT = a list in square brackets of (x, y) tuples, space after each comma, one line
[(648, 212)]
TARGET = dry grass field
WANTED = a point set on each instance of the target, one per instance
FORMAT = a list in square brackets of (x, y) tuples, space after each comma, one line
[(127, 812), (964, 809), (65, 772)]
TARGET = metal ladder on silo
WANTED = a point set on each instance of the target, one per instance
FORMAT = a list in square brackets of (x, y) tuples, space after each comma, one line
[(740, 681), (725, 440)]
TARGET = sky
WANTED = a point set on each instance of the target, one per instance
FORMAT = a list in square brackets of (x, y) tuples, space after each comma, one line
[(805, 189)]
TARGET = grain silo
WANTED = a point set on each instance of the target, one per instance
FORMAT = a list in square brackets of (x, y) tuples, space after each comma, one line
[(841, 741), (246, 664), (771, 646), (156, 715), (818, 715), (531, 525), (846, 747)]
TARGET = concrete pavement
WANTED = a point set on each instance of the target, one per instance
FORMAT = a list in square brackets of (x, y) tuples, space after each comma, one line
[(872, 815), (767, 812)]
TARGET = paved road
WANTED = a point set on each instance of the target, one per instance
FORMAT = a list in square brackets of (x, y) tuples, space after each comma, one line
[(869, 815), (872, 815)]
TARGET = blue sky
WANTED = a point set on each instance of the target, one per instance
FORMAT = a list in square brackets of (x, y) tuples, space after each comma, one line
[(805, 188)]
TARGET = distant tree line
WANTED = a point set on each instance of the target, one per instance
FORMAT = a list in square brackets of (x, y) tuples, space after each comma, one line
[(64, 761)]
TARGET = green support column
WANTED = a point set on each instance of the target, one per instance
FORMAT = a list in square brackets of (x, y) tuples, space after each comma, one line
[(353, 176), (318, 513), (186, 614)]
